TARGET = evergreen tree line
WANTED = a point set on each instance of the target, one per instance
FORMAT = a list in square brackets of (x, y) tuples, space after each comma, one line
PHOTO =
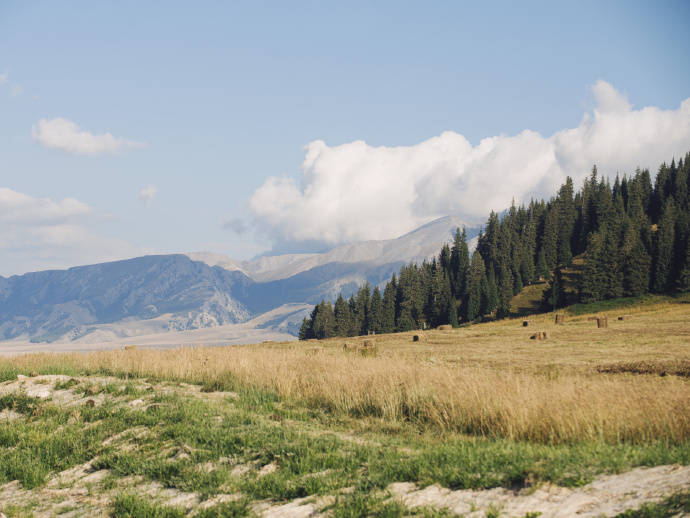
[(634, 238)]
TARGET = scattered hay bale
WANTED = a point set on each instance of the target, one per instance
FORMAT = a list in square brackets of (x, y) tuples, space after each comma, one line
[(367, 343), (592, 318), (418, 338), (602, 322), (33, 374), (539, 335), (525, 323), (347, 346), (445, 327), (560, 318), (130, 347), (624, 317)]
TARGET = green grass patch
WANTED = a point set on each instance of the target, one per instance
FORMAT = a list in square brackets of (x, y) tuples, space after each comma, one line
[(675, 505), (129, 505)]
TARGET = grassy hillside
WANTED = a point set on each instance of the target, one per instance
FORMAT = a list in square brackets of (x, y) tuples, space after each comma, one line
[(313, 427)]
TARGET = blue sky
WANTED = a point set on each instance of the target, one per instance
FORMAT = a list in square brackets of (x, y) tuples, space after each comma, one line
[(218, 101)]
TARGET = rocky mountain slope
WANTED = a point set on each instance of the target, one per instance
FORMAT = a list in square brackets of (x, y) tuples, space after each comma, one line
[(174, 293), (48, 305)]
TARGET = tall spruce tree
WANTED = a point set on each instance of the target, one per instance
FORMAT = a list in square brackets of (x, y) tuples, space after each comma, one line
[(662, 280), (375, 320), (472, 308), (388, 310), (341, 312)]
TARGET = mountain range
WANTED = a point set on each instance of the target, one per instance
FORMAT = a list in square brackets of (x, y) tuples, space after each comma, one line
[(155, 298)]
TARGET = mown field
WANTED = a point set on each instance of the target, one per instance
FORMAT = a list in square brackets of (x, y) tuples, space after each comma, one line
[(289, 429)]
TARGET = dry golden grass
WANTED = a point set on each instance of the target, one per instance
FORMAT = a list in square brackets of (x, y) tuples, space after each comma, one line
[(487, 379)]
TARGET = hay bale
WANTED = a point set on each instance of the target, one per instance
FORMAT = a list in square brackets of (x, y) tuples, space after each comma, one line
[(418, 338), (367, 343), (592, 318), (560, 319), (90, 403), (445, 327), (33, 374), (347, 346), (539, 335), (130, 347), (525, 323), (624, 317), (602, 322)]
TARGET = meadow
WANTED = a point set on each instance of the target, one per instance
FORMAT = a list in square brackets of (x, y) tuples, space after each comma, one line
[(315, 425)]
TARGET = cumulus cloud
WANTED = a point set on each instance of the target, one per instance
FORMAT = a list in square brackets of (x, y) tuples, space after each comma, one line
[(356, 191), (66, 135), (147, 194), (20, 209), (36, 233)]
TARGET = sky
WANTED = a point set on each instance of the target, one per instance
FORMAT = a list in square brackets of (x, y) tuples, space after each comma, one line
[(245, 128)]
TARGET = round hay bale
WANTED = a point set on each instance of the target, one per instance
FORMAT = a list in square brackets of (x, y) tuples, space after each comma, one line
[(130, 347), (368, 343), (525, 323), (560, 318), (418, 338), (602, 322), (445, 327)]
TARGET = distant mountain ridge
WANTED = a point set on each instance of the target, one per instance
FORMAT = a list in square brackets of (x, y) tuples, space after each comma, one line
[(417, 245), (182, 292)]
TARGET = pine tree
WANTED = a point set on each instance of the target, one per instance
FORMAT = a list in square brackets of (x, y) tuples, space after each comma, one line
[(542, 270), (341, 311), (474, 294), (662, 280), (549, 240), (505, 291), (453, 313), (305, 330), (565, 207), (375, 319), (591, 280), (554, 295), (362, 302), (459, 264), (355, 324), (491, 294), (323, 321), (388, 310), (636, 268), (683, 284)]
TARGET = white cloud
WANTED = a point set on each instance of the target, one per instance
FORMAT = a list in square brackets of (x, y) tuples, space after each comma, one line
[(16, 90), (39, 233), (4, 79), (66, 135), (20, 209), (147, 194), (355, 191)]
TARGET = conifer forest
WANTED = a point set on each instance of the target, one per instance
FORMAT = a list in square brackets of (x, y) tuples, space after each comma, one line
[(629, 238)]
